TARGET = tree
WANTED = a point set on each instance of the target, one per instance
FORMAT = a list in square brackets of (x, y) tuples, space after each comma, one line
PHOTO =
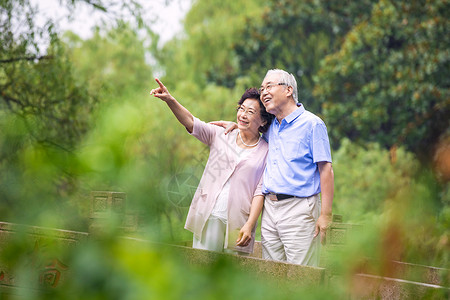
[(114, 60), (234, 43), (205, 54), (389, 81), (45, 108), (37, 85), (296, 36), (37, 81)]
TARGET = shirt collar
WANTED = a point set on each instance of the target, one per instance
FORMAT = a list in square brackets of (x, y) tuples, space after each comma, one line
[(293, 115)]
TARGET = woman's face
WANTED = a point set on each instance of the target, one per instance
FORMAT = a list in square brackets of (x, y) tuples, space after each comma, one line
[(249, 116)]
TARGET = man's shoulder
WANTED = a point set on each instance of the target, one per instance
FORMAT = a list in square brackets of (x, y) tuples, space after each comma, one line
[(310, 117)]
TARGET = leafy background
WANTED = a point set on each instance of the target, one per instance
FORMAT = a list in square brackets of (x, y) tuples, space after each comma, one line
[(76, 116)]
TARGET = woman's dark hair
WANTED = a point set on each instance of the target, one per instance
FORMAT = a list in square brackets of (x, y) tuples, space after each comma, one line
[(253, 93)]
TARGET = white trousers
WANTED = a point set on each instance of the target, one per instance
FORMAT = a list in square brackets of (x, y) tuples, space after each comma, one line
[(287, 230), (213, 235)]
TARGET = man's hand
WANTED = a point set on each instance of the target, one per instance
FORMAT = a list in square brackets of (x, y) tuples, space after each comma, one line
[(322, 225), (229, 126), (245, 235)]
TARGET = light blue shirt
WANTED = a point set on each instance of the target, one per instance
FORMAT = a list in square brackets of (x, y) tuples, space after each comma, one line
[(295, 147)]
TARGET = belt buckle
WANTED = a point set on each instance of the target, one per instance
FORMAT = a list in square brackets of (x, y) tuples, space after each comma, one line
[(273, 197)]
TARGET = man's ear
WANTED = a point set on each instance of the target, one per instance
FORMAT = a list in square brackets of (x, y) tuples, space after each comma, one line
[(290, 91)]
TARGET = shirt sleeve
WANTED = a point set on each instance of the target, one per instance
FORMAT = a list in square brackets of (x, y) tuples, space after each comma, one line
[(204, 132), (258, 190), (320, 143)]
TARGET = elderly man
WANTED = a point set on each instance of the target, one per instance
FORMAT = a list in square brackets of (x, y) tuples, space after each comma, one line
[(298, 169)]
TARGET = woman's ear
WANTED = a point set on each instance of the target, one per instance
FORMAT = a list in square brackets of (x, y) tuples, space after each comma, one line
[(262, 125)]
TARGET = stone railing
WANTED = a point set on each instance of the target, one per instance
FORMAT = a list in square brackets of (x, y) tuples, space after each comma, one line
[(51, 272), (104, 205)]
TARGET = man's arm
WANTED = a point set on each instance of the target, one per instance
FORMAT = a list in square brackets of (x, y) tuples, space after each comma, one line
[(327, 193)]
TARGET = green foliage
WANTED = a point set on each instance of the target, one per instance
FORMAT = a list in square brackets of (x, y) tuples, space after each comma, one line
[(206, 55), (296, 36), (46, 105), (291, 35), (40, 88), (366, 176), (389, 80), (114, 60), (378, 71), (44, 112), (376, 188), (34, 178)]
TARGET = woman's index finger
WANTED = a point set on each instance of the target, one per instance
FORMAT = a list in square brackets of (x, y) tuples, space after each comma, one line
[(161, 85)]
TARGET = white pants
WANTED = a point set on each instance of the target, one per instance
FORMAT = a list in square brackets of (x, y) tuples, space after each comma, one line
[(213, 237), (287, 230)]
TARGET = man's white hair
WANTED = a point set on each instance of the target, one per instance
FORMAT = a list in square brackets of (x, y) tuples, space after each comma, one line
[(288, 79)]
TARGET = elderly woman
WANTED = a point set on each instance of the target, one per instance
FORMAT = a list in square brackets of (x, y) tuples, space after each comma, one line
[(228, 200)]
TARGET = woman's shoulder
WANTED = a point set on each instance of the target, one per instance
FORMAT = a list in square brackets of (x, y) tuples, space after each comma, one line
[(264, 144), (204, 126), (262, 148)]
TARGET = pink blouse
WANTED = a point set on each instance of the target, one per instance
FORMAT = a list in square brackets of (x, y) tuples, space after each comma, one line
[(245, 182)]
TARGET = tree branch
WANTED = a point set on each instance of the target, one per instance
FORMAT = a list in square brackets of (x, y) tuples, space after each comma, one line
[(28, 58), (9, 99)]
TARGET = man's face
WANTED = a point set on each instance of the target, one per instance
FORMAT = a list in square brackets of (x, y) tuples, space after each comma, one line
[(273, 94)]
